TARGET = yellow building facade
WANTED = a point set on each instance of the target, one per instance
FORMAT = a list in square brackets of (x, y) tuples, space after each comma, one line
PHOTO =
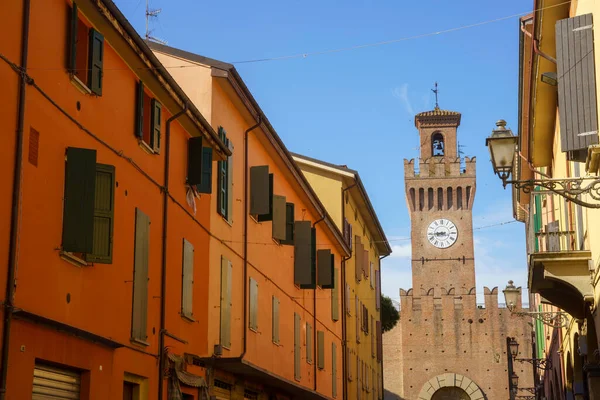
[(341, 191)]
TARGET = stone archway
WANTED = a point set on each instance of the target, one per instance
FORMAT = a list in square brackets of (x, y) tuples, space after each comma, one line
[(451, 386)]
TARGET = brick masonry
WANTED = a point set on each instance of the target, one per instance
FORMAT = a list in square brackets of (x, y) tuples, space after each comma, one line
[(444, 339)]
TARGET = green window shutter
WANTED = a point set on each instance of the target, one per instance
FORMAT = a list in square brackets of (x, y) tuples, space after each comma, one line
[(325, 269), (205, 185), (96, 59), (335, 294), (155, 126), (259, 190), (308, 342), (104, 203), (275, 320), (194, 161), (253, 304), (321, 349), (279, 218), (74, 21), (226, 270), (297, 347), (333, 370), (139, 110), (140, 276), (289, 224), (313, 260), (222, 181), (80, 188), (230, 184), (304, 272), (187, 284), (269, 216)]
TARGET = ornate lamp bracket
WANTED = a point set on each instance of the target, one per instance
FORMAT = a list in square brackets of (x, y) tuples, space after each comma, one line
[(557, 319), (569, 188), (541, 363)]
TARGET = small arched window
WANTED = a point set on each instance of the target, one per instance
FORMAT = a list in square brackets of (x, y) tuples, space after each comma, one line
[(430, 198), (421, 199), (459, 198), (437, 145), (440, 198), (450, 197), (412, 198)]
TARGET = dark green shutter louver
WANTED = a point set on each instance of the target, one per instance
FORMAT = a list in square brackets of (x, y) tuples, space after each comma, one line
[(155, 126), (269, 216), (335, 294), (103, 215), (194, 161), (321, 349), (309, 340), (279, 218), (140, 276), (576, 85), (205, 185), (324, 269), (96, 60), (289, 224), (259, 190), (303, 273), (139, 110), (74, 20), (80, 188)]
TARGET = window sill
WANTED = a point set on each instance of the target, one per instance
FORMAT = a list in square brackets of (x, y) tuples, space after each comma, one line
[(230, 223), (139, 342), (188, 318), (276, 343), (78, 83), (255, 330), (72, 259), (145, 147), (254, 218)]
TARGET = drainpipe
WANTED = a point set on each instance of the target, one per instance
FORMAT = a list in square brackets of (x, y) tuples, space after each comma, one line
[(381, 338), (246, 213), (536, 48), (16, 208), (315, 319), (163, 273)]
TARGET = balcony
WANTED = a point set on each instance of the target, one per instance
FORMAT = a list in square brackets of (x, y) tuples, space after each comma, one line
[(559, 270)]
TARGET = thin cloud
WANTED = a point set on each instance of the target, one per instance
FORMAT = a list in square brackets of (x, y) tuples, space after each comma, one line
[(401, 93)]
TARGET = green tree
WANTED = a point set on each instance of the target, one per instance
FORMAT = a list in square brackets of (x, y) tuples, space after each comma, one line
[(389, 314)]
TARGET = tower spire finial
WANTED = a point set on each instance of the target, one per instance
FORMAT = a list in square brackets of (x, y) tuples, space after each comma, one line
[(435, 90)]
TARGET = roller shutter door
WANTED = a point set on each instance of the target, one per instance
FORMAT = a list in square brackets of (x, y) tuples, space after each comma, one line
[(51, 383)]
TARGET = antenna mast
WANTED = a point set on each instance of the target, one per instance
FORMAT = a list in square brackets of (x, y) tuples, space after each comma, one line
[(435, 90), (152, 14)]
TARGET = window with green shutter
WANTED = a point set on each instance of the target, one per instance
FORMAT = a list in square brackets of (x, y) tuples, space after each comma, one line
[(320, 349), (334, 382), (253, 320), (308, 341), (268, 216), (335, 296), (223, 180), (278, 227), (297, 347), (289, 224), (104, 203), (140, 277), (187, 284), (148, 119)]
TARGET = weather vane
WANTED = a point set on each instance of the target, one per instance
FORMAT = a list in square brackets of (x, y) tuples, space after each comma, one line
[(436, 95)]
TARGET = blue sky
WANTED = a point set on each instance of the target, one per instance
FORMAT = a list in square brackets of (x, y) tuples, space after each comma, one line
[(356, 107)]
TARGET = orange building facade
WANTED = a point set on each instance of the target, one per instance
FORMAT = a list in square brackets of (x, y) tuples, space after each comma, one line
[(147, 256)]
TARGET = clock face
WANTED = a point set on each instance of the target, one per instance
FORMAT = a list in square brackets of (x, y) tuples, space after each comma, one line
[(442, 233)]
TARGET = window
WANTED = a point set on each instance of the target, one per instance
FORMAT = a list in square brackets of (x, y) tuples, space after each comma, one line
[(297, 347), (320, 349), (226, 272), (440, 199), (140, 278), (88, 214), (275, 320), (289, 224), (459, 198), (225, 181), (450, 196), (148, 119), (437, 144), (253, 320), (333, 370), (130, 391), (187, 285), (309, 340), (335, 296), (305, 255), (86, 53), (348, 233), (372, 275), (325, 271), (199, 165)]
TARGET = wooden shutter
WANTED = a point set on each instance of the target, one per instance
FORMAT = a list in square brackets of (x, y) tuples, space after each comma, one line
[(253, 304), (552, 238), (349, 363), (379, 344), (155, 126), (194, 161), (226, 270), (50, 382), (139, 111), (372, 275), (104, 203), (365, 263), (205, 185), (289, 224), (325, 269), (269, 215), (140, 276), (357, 317), (96, 59), (372, 336), (333, 370), (73, 23), (297, 355), (309, 340), (576, 83), (275, 320), (187, 285), (230, 183), (335, 295), (378, 289), (259, 190), (358, 258), (303, 272), (279, 218), (347, 300), (80, 188), (320, 349)]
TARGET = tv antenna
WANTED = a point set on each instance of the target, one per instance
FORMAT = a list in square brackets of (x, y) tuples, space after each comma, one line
[(436, 91), (152, 14)]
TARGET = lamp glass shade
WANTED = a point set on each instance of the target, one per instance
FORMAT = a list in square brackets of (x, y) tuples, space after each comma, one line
[(511, 295), (502, 145), (514, 348), (514, 379)]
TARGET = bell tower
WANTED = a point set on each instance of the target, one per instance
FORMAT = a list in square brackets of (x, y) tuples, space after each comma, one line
[(440, 190)]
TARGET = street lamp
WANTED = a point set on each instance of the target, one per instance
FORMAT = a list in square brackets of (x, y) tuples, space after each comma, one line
[(555, 319), (502, 145), (542, 363), (514, 380), (514, 348)]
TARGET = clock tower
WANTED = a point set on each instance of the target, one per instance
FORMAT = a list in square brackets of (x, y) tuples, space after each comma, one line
[(440, 190)]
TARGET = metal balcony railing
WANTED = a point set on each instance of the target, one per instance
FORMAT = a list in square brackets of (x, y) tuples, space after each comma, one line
[(553, 240)]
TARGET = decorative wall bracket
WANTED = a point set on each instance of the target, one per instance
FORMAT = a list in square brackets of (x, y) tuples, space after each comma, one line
[(541, 363), (555, 319), (569, 188)]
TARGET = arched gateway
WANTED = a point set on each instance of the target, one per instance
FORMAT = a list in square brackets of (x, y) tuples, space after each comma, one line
[(451, 386)]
